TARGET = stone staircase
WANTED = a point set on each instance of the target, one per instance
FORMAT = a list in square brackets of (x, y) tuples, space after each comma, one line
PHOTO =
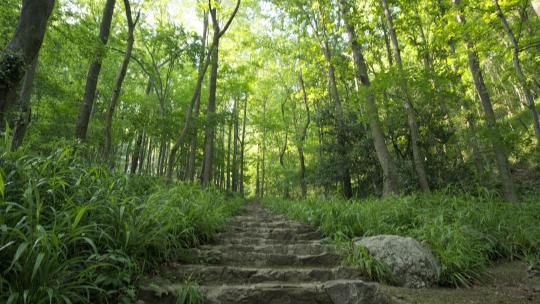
[(262, 259)]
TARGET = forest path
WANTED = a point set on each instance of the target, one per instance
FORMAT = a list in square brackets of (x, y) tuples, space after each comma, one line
[(265, 258)]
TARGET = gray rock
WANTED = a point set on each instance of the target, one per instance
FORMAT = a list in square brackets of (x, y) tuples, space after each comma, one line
[(354, 292), (412, 264)]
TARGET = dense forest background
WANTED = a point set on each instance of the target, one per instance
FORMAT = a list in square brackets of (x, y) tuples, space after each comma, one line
[(432, 94), (112, 105)]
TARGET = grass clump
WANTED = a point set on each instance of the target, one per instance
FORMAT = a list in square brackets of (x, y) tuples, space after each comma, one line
[(190, 293), (465, 232), (74, 233)]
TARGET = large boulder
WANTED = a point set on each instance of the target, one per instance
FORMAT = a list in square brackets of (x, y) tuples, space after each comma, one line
[(412, 265)]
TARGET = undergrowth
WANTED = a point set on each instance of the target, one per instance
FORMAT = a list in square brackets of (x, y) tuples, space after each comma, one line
[(74, 233), (466, 233)]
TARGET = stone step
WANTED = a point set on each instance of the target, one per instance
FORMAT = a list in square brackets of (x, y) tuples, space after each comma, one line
[(256, 259), (299, 249), (217, 275), (270, 224), (280, 235), (263, 229), (332, 292), (260, 218), (261, 241)]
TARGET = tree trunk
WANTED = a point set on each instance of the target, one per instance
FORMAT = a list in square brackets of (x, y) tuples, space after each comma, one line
[(519, 72), (258, 176), (390, 175), (235, 148), (263, 159), (194, 141), (283, 150), (22, 50), (302, 137), (25, 116), (489, 115), (119, 82), (189, 114), (142, 155), (126, 162), (210, 113), (136, 154), (340, 118), (93, 72), (418, 155), (242, 149), (229, 139)]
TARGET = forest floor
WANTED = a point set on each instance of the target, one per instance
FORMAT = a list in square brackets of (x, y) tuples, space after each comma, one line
[(508, 282)]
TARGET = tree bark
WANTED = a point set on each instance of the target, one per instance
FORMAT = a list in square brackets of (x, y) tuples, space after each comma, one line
[(210, 112), (283, 150), (418, 155), (93, 73), (243, 148), (489, 115), (519, 72), (303, 136), (390, 175), (263, 159), (25, 116), (194, 141), (136, 154), (258, 176), (119, 81), (229, 139), (22, 50), (235, 147)]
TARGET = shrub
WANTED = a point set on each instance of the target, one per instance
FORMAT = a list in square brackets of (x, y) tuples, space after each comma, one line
[(74, 233)]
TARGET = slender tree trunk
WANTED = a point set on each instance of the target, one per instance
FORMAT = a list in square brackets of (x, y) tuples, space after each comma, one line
[(340, 119), (302, 137), (258, 176), (211, 108), (390, 175), (519, 72), (189, 116), (136, 154), (22, 50), (25, 116), (126, 162), (263, 160), (229, 139), (142, 150), (418, 155), (93, 72), (235, 148), (194, 141), (119, 82), (489, 115), (210, 112), (242, 149), (283, 151)]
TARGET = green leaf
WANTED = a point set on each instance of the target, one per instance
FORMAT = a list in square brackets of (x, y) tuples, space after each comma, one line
[(18, 253), (39, 259)]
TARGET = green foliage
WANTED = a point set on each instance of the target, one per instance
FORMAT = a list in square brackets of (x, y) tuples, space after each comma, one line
[(11, 68), (465, 232), (75, 233), (190, 293), (375, 270)]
